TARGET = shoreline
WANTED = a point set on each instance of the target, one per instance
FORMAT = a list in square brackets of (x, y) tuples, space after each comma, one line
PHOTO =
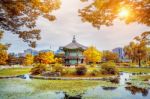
[(61, 78)]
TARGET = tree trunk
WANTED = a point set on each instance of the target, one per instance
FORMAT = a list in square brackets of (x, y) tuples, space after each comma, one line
[(139, 62), (77, 62)]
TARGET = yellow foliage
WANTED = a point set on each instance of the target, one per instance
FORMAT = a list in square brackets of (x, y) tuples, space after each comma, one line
[(28, 60), (45, 57), (92, 55), (58, 60), (3, 57)]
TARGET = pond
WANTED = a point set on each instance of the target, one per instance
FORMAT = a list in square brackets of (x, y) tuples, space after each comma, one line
[(28, 89), (121, 92)]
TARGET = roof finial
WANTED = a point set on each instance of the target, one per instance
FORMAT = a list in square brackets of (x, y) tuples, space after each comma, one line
[(74, 39)]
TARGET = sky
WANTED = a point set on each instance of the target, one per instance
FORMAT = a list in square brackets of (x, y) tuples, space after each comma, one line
[(68, 23)]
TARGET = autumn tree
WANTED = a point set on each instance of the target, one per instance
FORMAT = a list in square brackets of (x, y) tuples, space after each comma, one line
[(142, 46), (110, 56), (141, 53), (12, 59), (92, 55), (130, 51), (45, 58), (18, 14), (137, 50), (28, 60), (3, 51), (104, 12), (3, 57), (20, 60), (148, 50), (58, 60)]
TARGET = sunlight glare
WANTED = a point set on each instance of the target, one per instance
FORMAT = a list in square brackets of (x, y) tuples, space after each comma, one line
[(123, 13)]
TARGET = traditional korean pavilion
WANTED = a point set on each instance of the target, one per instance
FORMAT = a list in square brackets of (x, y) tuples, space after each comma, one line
[(73, 53)]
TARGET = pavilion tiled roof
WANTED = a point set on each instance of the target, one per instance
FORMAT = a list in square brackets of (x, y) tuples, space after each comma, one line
[(74, 45)]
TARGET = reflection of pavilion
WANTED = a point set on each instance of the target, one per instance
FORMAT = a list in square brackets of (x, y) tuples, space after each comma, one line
[(73, 53)]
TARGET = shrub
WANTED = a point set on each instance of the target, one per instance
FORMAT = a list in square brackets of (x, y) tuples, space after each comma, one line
[(93, 65), (81, 70), (70, 71), (95, 72), (64, 72), (38, 69), (133, 65), (57, 67), (147, 64), (109, 68), (124, 64)]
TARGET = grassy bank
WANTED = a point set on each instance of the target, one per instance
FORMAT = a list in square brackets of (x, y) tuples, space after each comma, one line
[(135, 70), (141, 81), (71, 73), (14, 71), (27, 89), (142, 78), (20, 71)]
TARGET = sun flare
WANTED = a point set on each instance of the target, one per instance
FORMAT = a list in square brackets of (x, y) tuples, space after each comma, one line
[(123, 13)]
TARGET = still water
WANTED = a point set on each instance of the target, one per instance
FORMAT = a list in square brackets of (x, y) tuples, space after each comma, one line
[(124, 91), (121, 92)]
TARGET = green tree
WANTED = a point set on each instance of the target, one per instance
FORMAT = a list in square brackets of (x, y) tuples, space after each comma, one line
[(18, 14)]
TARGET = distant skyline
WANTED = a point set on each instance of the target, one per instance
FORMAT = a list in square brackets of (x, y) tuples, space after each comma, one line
[(68, 23)]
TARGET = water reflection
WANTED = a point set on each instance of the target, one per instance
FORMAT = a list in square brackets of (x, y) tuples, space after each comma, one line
[(121, 92), (134, 90), (109, 88), (114, 80), (67, 96), (25, 76), (116, 93), (124, 77)]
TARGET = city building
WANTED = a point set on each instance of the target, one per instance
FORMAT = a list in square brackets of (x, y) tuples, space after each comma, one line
[(73, 53), (30, 51), (59, 53), (120, 52)]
